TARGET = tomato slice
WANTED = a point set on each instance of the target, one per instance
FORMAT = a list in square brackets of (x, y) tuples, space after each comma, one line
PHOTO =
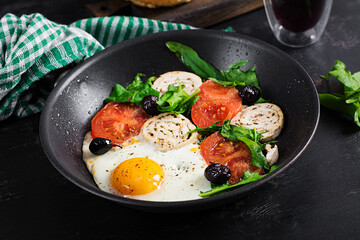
[(206, 112), (236, 155), (118, 122), (212, 90), (216, 103)]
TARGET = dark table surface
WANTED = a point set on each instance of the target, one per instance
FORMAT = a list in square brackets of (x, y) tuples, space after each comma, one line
[(318, 197)]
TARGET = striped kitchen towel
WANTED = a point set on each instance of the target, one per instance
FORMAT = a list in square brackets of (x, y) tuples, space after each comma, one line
[(33, 47)]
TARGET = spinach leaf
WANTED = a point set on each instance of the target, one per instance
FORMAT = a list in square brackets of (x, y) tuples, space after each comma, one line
[(192, 61), (233, 132), (248, 177), (337, 103), (258, 159), (347, 103), (345, 77), (241, 78), (134, 92), (176, 100), (353, 98), (233, 76), (251, 138), (237, 133)]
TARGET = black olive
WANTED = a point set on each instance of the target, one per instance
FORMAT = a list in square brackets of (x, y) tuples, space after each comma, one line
[(249, 94), (100, 146), (217, 173), (149, 105)]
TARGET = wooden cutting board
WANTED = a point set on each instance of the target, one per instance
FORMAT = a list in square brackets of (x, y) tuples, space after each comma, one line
[(198, 13)]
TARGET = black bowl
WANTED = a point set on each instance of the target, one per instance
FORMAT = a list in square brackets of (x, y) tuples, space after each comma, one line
[(80, 94)]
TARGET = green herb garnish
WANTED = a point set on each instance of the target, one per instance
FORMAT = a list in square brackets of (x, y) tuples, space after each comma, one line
[(237, 77), (348, 102), (134, 92), (237, 133), (232, 76), (248, 177), (176, 100), (192, 61)]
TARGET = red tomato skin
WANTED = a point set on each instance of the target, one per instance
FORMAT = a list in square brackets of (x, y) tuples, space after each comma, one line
[(216, 103), (236, 155), (207, 112), (118, 122), (212, 90)]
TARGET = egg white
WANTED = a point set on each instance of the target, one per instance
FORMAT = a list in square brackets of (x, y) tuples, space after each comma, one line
[(183, 168)]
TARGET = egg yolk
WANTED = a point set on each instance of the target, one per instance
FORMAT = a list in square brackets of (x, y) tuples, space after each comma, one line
[(137, 176)]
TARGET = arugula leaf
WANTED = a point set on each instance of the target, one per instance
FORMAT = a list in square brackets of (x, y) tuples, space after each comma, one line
[(232, 76), (134, 92), (136, 83), (227, 83), (347, 103), (192, 61), (176, 100), (205, 132), (261, 100), (248, 177), (119, 94)]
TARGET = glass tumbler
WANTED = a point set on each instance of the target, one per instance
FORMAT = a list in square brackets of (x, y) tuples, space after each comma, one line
[(297, 23)]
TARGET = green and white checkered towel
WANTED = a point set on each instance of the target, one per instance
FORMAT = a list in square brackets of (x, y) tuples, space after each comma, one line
[(32, 46)]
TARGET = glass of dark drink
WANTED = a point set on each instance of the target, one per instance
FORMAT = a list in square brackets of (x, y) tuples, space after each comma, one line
[(297, 23)]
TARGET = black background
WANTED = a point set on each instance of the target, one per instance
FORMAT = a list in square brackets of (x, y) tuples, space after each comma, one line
[(318, 197)]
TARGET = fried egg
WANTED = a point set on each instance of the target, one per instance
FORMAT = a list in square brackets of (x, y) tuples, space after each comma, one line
[(138, 170)]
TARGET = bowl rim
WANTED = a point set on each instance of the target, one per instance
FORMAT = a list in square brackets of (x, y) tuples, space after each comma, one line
[(168, 206)]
